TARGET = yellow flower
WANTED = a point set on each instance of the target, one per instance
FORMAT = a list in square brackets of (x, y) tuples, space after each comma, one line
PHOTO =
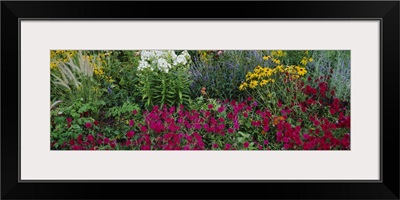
[(248, 76), (243, 86), (295, 76), (268, 71), (277, 61), (53, 65), (257, 70), (271, 80), (263, 82), (311, 59), (266, 57), (302, 71), (253, 84), (304, 61), (262, 74), (279, 68), (253, 76)]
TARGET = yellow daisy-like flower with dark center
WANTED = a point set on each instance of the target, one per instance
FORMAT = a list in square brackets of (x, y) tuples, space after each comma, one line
[(268, 71), (248, 76), (263, 82), (253, 84), (271, 80), (266, 57), (243, 86), (279, 68), (253, 76), (53, 65), (304, 61), (302, 71), (262, 74)]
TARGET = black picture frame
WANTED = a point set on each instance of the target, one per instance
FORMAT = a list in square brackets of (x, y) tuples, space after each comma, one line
[(13, 11)]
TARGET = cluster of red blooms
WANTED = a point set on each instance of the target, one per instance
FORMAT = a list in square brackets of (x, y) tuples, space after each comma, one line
[(171, 128)]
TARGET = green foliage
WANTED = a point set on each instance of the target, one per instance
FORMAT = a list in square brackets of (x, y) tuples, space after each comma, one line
[(222, 75), (159, 88), (122, 111)]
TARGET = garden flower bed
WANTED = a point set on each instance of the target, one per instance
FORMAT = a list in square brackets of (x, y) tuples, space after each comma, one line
[(200, 100)]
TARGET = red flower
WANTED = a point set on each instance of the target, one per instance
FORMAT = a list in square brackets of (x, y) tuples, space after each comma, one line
[(113, 143), (134, 112), (143, 129), (265, 142), (131, 122), (90, 138), (227, 146), (88, 125), (215, 145), (279, 103), (106, 141), (96, 122), (221, 109), (246, 145), (69, 120), (210, 106), (130, 134)]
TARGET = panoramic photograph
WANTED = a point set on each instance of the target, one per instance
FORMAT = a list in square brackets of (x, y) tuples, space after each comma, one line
[(258, 100)]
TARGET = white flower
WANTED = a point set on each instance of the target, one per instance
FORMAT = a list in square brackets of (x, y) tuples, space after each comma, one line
[(186, 54), (181, 59), (143, 65), (146, 54), (163, 64), (158, 54)]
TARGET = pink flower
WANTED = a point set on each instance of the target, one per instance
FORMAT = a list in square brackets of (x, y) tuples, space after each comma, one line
[(285, 139), (286, 146), (221, 109), (245, 115), (69, 120), (106, 141), (210, 106), (227, 146), (131, 122), (88, 125), (143, 129), (113, 143), (215, 145), (134, 112), (246, 145), (130, 134), (265, 142), (230, 130), (279, 103)]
